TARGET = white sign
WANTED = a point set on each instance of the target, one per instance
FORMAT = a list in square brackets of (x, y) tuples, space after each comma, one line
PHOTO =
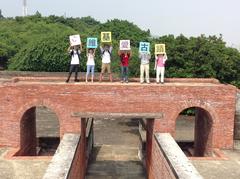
[(125, 45), (75, 40)]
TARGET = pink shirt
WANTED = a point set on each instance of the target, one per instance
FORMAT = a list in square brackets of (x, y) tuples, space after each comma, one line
[(161, 61)]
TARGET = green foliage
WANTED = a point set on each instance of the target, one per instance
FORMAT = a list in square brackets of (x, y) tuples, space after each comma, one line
[(39, 43), (46, 54)]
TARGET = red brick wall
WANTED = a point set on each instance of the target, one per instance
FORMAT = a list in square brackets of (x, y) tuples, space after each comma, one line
[(160, 168), (170, 99), (75, 171), (156, 164)]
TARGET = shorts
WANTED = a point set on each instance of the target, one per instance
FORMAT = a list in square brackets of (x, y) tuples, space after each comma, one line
[(106, 66)]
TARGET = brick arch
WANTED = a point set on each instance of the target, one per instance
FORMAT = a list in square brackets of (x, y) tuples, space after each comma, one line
[(50, 105), (205, 119), (27, 139)]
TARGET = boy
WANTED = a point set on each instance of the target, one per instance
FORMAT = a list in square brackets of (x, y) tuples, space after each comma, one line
[(74, 65), (106, 61), (124, 57), (144, 67)]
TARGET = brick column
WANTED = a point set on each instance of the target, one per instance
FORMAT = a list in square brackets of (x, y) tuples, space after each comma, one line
[(150, 126), (83, 148)]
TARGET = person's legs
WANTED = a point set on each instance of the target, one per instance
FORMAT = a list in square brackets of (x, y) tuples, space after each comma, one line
[(76, 72), (92, 71), (146, 69), (102, 71), (71, 68), (109, 72), (141, 73), (126, 74), (162, 70), (122, 74), (88, 71), (157, 74)]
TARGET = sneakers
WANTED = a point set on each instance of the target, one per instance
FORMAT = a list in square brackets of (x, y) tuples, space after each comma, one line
[(76, 80), (67, 81)]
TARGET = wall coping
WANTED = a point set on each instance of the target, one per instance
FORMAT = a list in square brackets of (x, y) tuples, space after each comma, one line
[(61, 162), (182, 167)]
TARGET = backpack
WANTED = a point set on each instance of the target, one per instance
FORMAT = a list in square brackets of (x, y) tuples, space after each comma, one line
[(107, 51), (71, 54)]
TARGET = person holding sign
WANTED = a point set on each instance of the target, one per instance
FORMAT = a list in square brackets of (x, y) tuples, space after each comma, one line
[(144, 56), (90, 63), (160, 66), (124, 57), (74, 64), (144, 67), (106, 52)]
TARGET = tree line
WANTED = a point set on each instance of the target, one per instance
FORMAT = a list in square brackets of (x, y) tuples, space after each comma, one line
[(36, 43)]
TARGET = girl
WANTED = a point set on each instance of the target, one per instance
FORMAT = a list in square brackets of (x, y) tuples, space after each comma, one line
[(90, 63), (160, 66)]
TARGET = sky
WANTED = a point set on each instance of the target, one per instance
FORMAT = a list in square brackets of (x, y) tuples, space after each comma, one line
[(187, 17)]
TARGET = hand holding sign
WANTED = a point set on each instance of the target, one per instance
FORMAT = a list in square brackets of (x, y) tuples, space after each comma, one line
[(160, 49), (144, 47), (125, 45), (106, 37), (92, 42), (75, 40)]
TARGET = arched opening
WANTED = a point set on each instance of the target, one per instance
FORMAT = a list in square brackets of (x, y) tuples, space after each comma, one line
[(39, 132), (193, 132)]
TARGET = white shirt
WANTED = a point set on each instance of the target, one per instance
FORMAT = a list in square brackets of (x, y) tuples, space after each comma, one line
[(75, 58), (90, 60), (106, 57)]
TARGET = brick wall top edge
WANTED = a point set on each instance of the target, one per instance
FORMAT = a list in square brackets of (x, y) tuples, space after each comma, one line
[(61, 162), (184, 80), (177, 160)]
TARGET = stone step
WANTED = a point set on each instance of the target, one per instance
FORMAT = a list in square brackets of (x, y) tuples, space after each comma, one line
[(114, 153), (116, 167), (115, 177), (115, 162)]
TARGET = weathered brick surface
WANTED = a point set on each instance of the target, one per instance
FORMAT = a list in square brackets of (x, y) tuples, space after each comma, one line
[(170, 99), (237, 117)]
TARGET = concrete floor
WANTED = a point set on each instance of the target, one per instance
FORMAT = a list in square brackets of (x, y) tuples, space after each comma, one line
[(220, 169), (21, 169)]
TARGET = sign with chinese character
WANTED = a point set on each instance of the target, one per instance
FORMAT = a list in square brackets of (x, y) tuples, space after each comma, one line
[(125, 45), (144, 47), (160, 49), (92, 42), (106, 37), (75, 40)]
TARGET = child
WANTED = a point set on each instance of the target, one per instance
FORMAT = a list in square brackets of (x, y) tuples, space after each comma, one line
[(106, 61), (74, 65), (144, 67), (124, 57), (90, 63), (160, 66)]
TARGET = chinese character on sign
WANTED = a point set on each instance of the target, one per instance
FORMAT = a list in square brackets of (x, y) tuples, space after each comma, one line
[(144, 47), (106, 37), (75, 40), (92, 42), (125, 45), (160, 49)]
